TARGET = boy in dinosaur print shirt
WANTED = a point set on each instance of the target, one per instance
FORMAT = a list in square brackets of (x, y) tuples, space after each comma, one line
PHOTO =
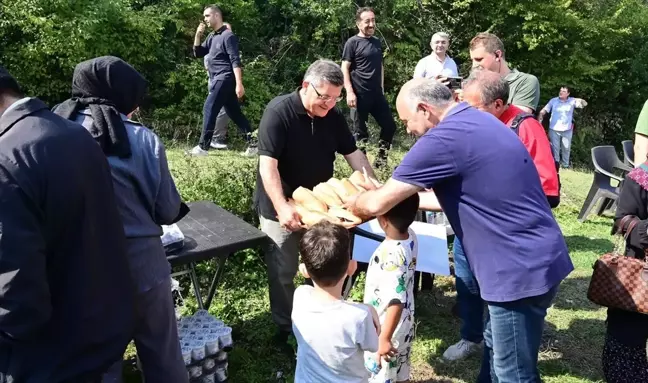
[(389, 287)]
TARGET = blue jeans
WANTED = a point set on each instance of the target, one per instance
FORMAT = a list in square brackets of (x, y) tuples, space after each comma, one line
[(222, 94), (512, 339), (561, 146), (469, 302)]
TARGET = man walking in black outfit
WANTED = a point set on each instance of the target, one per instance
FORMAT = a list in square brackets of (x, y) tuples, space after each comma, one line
[(225, 77), (364, 83)]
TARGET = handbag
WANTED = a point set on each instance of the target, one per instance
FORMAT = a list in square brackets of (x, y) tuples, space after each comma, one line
[(618, 281)]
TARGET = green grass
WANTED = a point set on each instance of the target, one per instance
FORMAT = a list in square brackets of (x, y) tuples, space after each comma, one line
[(573, 338)]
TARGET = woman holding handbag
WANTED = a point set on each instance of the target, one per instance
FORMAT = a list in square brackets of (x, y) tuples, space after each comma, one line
[(624, 353)]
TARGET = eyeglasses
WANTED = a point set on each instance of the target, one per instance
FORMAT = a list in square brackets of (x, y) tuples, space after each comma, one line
[(325, 97)]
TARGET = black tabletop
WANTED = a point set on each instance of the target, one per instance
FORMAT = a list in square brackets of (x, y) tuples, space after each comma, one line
[(211, 231)]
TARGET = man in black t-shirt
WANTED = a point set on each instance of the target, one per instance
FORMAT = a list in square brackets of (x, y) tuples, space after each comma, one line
[(299, 135), (364, 83)]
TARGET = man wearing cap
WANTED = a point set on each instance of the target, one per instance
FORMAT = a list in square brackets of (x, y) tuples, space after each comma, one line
[(66, 294)]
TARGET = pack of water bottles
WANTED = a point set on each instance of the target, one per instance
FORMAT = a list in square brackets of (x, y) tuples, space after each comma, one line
[(205, 341)]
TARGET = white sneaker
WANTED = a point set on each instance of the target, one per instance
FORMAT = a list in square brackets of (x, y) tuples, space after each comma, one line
[(198, 151), (218, 145), (462, 350), (251, 151)]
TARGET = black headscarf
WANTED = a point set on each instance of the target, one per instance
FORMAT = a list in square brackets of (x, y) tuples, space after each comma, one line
[(108, 86)]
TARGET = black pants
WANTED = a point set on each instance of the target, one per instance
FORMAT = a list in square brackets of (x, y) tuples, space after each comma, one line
[(373, 103), (222, 94)]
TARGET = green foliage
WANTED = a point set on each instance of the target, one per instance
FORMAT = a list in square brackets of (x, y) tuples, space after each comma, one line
[(599, 48)]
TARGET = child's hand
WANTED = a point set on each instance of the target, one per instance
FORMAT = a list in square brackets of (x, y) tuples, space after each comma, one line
[(385, 348)]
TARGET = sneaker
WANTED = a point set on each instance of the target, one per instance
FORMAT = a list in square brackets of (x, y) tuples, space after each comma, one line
[(218, 145), (198, 151), (251, 151), (462, 350)]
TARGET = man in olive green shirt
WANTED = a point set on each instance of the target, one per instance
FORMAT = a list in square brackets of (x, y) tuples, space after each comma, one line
[(641, 137), (487, 52)]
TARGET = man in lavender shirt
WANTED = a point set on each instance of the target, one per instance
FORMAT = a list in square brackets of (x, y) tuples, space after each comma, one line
[(560, 124), (492, 197)]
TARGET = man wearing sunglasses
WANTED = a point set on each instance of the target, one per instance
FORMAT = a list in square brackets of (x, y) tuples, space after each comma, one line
[(299, 135)]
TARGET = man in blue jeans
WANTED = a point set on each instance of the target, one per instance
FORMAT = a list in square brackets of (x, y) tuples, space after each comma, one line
[(225, 78), (493, 199)]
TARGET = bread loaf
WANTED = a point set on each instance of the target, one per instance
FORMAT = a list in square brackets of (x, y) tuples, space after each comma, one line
[(344, 215), (358, 179), (324, 192), (307, 199), (310, 218), (350, 189)]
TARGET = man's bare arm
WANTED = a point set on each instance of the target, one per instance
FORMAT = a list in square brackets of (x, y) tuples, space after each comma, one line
[(346, 71), (358, 160), (269, 171), (428, 201), (541, 115), (377, 202)]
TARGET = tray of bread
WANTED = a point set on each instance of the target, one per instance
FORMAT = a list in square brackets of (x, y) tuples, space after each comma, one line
[(326, 201)]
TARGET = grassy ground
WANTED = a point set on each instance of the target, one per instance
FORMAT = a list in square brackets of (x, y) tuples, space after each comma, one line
[(575, 327)]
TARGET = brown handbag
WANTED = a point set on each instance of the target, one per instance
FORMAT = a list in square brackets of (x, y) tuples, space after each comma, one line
[(618, 281)]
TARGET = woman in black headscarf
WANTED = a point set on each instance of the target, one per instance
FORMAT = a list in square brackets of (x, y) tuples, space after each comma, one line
[(104, 91)]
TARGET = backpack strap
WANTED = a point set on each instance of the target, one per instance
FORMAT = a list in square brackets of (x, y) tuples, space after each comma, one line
[(517, 120)]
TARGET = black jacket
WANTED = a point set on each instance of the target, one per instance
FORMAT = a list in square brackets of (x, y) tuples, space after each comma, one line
[(66, 295)]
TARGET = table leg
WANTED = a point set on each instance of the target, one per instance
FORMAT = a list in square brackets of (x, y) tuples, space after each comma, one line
[(214, 283), (194, 282)]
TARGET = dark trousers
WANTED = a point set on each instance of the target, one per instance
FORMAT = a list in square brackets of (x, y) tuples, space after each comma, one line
[(373, 103), (222, 94), (156, 339)]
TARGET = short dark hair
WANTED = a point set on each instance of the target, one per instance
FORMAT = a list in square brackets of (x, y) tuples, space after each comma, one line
[(325, 251), (491, 85), (214, 8), (404, 213), (8, 83), (566, 87), (362, 10), (489, 41)]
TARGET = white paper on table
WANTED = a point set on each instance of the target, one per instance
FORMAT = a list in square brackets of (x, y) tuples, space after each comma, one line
[(171, 234), (432, 246)]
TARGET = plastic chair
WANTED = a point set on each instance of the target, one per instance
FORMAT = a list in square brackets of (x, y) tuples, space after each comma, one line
[(605, 162), (628, 152)]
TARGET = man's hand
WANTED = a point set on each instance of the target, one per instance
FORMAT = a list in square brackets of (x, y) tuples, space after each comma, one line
[(385, 348), (240, 91), (288, 217), (352, 100), (442, 79), (201, 29)]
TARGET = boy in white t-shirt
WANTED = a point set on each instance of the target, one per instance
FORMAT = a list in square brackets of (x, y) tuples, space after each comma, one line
[(332, 334), (390, 289)]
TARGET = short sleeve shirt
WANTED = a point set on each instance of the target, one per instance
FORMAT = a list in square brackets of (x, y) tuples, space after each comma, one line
[(390, 276), (490, 191), (331, 339), (524, 89), (562, 113), (365, 56), (642, 122), (430, 67), (304, 147)]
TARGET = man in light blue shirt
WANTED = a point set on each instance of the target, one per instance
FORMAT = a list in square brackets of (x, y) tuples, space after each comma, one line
[(560, 124)]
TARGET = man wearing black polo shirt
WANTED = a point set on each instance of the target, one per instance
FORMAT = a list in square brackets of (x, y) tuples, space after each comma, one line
[(299, 135), (364, 83)]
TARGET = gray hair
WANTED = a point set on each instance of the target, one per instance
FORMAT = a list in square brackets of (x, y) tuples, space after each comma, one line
[(430, 92), (442, 35), (492, 86), (324, 71)]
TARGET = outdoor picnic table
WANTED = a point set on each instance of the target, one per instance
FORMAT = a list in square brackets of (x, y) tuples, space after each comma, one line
[(212, 234)]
